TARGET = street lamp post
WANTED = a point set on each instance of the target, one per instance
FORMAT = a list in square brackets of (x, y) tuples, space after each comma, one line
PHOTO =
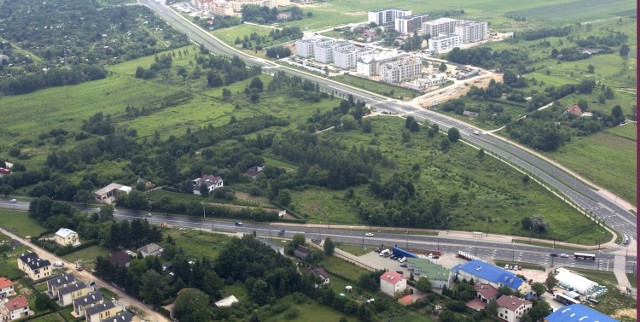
[(320, 231), (204, 216), (513, 248)]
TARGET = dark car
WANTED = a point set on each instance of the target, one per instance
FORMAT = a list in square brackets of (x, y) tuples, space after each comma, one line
[(554, 255), (238, 223), (403, 265)]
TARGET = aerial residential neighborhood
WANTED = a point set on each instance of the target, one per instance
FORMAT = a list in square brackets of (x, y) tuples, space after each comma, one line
[(318, 160)]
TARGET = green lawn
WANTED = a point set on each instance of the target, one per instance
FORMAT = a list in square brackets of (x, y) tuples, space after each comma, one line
[(342, 268), (87, 256), (197, 244), (20, 223), (309, 310), (629, 131), (378, 87), (633, 279), (229, 35), (585, 154), (108, 293), (53, 317), (353, 249)]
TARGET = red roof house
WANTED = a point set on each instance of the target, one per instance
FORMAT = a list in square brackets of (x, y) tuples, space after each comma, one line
[(575, 110), (511, 308)]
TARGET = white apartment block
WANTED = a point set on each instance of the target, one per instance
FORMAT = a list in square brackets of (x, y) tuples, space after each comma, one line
[(387, 16), (323, 53), (344, 58), (472, 31), (304, 47), (402, 70), (366, 66), (443, 43), (409, 24), (440, 26)]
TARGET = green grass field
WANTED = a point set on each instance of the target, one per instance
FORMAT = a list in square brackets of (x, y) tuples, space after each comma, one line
[(309, 310), (20, 223), (378, 87), (87, 256), (585, 154), (198, 244), (53, 317), (486, 188), (335, 265)]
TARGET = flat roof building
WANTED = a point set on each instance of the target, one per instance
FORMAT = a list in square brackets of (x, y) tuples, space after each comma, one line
[(387, 16), (472, 31), (402, 70), (409, 24), (443, 43), (438, 275), (440, 26)]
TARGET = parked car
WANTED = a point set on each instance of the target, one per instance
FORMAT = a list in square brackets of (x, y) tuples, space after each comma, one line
[(400, 272), (403, 265), (506, 266)]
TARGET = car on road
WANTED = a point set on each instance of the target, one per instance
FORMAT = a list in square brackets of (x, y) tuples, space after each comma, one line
[(554, 255), (12, 201), (369, 234), (403, 265), (238, 223), (564, 255)]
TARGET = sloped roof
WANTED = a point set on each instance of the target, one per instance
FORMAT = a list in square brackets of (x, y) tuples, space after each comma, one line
[(91, 298), (578, 313), (33, 261), (4, 283), (511, 302), (490, 273), (97, 308), (65, 232), (486, 290), (61, 280), (71, 288), (391, 277), (120, 317), (150, 248), (16, 303)]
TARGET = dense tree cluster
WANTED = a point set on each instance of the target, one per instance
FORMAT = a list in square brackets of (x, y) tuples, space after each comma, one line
[(266, 15), (136, 233), (536, 34), (28, 83), (485, 57), (278, 52)]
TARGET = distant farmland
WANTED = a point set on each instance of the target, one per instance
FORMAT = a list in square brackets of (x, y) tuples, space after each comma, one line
[(581, 9)]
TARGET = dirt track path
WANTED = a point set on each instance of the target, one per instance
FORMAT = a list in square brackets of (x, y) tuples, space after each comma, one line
[(123, 298)]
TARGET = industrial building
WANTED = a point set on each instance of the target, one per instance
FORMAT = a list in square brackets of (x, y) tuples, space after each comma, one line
[(438, 275), (483, 272), (578, 313), (387, 16)]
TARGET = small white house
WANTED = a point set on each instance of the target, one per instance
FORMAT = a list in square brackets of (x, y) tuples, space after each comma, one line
[(65, 236), (227, 301), (392, 283), (211, 182), (152, 249)]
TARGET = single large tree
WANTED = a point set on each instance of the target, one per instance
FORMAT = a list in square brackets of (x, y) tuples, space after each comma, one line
[(192, 305), (329, 247), (154, 288)]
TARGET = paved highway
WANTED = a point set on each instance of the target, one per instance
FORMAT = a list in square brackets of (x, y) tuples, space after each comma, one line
[(581, 195), (482, 248)]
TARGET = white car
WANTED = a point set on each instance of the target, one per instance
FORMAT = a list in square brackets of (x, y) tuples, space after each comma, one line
[(369, 234), (564, 255)]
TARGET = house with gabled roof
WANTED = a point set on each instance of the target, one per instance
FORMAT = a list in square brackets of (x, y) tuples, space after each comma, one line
[(60, 281), (81, 303), (15, 308), (511, 308), (101, 311), (70, 292), (209, 181), (65, 236), (119, 258), (320, 273), (392, 283), (36, 267), (6, 288), (301, 252), (152, 249), (123, 316)]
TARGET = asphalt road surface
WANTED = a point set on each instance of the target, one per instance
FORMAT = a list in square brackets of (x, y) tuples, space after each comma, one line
[(578, 193)]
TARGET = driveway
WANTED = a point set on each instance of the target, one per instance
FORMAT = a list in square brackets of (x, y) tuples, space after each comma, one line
[(123, 298)]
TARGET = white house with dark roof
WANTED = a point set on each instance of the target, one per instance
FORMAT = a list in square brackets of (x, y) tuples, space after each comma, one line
[(511, 308), (100, 312), (152, 249), (36, 267), (320, 273), (65, 236), (55, 283), (81, 303), (70, 292), (123, 316)]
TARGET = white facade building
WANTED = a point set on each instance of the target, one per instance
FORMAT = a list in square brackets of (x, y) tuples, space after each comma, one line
[(511, 308), (409, 24), (392, 283), (400, 71), (472, 31), (443, 43), (304, 48), (440, 26), (387, 16), (366, 66)]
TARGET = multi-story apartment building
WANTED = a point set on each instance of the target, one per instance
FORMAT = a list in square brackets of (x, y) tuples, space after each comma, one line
[(471, 31), (409, 24), (323, 51), (443, 43), (440, 26), (304, 47), (402, 70), (387, 16)]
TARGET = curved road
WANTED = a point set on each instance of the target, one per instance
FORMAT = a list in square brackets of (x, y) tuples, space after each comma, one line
[(579, 194)]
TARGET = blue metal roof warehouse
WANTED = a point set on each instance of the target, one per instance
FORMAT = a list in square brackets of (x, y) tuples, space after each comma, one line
[(578, 312), (490, 273)]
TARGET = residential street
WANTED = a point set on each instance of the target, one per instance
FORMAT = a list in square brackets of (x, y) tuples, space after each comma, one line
[(123, 299)]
